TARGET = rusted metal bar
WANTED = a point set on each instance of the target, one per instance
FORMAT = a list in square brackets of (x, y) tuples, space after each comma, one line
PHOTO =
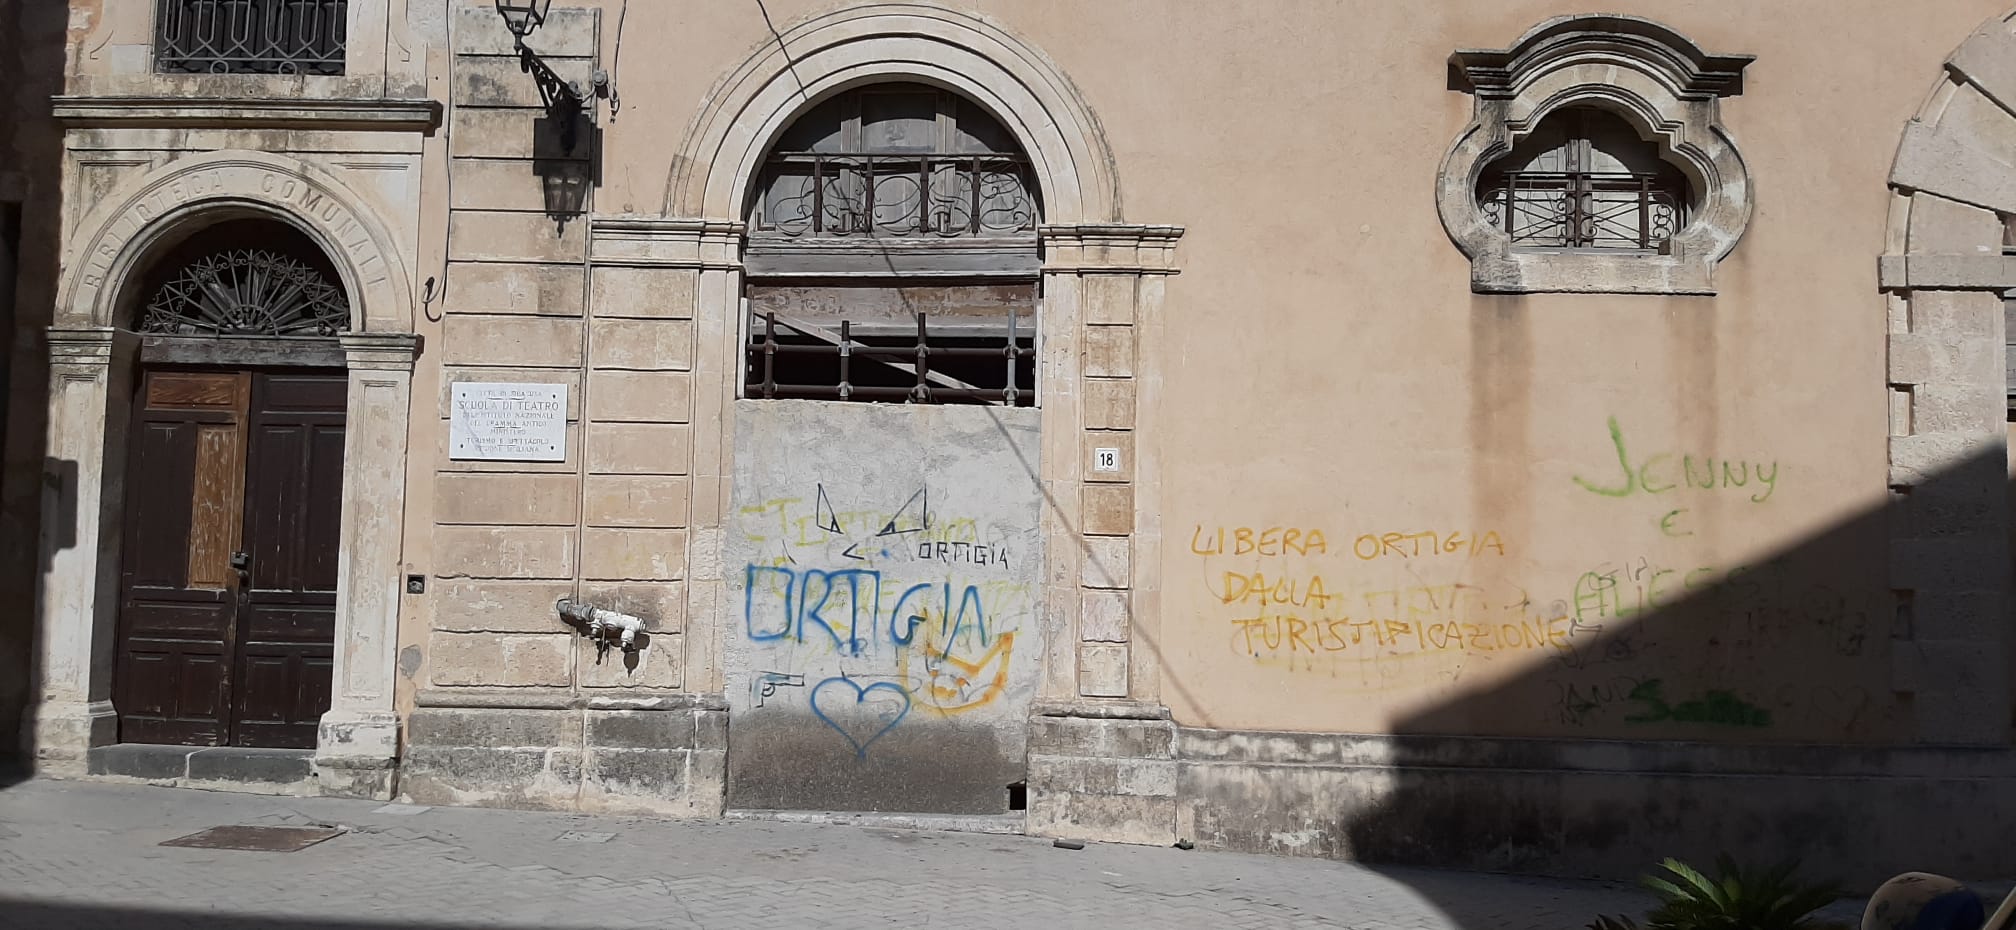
[(1512, 205), (846, 355), (818, 195), (769, 355), (1644, 211), (973, 225), (923, 360), (1010, 357), (867, 223)]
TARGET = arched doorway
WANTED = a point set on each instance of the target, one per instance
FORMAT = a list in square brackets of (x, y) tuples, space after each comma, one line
[(227, 592), (891, 651), (1946, 276), (169, 220)]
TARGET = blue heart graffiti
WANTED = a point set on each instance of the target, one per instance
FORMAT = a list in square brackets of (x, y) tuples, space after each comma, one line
[(860, 695)]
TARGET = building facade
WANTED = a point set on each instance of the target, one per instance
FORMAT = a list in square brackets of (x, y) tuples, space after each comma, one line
[(1504, 436)]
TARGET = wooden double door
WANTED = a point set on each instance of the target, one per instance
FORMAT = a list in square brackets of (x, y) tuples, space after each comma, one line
[(227, 610)]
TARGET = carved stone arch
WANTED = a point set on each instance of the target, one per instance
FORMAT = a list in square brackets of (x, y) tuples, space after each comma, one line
[(1945, 273), (92, 363), (829, 53), (119, 235), (1662, 83)]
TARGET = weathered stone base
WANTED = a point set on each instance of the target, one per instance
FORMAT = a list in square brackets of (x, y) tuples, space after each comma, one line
[(1102, 772), (59, 737), (1597, 809), (288, 772), (665, 756)]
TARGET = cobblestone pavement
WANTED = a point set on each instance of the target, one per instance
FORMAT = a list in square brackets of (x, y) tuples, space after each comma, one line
[(86, 855)]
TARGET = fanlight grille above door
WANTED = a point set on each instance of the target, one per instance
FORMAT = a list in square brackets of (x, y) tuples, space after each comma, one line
[(247, 292)]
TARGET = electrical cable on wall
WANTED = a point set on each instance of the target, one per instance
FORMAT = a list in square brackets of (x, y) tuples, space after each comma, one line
[(616, 64)]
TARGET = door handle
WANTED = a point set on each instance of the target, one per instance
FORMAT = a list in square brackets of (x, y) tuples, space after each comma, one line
[(242, 562)]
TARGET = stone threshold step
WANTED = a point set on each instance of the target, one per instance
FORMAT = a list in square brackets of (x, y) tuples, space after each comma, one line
[(231, 764), (997, 824)]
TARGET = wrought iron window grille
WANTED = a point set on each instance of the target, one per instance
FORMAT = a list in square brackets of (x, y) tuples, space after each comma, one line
[(250, 36), (911, 357), (1584, 210), (247, 292), (944, 195)]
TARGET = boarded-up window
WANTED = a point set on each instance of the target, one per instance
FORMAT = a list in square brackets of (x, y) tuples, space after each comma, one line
[(893, 342), (892, 255)]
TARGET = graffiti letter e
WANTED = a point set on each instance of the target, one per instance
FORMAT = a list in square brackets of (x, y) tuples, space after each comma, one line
[(1623, 461)]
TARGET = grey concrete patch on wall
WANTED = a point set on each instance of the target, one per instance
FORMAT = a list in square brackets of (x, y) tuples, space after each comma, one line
[(884, 569)]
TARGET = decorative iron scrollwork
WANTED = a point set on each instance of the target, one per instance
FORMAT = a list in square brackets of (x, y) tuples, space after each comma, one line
[(894, 195), (247, 292), (1583, 210), (250, 36)]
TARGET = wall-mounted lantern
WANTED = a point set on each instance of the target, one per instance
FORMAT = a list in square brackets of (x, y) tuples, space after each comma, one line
[(562, 98), (523, 16)]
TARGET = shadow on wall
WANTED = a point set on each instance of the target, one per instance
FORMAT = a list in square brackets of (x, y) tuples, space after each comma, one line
[(1708, 774), (32, 42), (46, 914)]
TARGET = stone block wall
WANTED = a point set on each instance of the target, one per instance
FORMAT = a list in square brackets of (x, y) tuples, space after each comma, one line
[(517, 708)]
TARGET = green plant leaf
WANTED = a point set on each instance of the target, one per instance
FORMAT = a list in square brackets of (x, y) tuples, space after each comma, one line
[(1736, 898)]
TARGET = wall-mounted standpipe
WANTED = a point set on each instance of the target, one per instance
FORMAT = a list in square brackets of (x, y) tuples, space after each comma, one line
[(600, 624)]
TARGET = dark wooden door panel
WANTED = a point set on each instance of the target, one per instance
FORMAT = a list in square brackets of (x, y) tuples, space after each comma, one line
[(293, 513), (223, 464), (177, 615), (163, 465), (172, 692), (283, 696)]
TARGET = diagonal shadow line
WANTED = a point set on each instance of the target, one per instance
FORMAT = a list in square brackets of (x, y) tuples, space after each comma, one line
[(1752, 714)]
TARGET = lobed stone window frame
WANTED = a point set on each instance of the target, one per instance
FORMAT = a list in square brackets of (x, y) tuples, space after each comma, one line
[(1657, 80)]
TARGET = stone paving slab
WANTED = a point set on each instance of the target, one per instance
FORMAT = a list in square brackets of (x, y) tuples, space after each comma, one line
[(85, 855)]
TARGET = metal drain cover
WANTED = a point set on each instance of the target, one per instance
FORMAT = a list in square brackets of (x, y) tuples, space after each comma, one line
[(256, 839)]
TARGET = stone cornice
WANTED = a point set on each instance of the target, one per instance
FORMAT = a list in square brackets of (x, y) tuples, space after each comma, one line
[(1097, 709), (548, 699), (1110, 248), (380, 351), (393, 115), (94, 346), (661, 242), (1691, 72), (1956, 272)]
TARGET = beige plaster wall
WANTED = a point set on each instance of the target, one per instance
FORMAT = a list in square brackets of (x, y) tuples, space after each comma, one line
[(1329, 371)]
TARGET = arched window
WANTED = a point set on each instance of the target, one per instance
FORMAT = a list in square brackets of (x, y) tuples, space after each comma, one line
[(892, 255), (896, 160), (1583, 179), (1595, 161), (243, 278)]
